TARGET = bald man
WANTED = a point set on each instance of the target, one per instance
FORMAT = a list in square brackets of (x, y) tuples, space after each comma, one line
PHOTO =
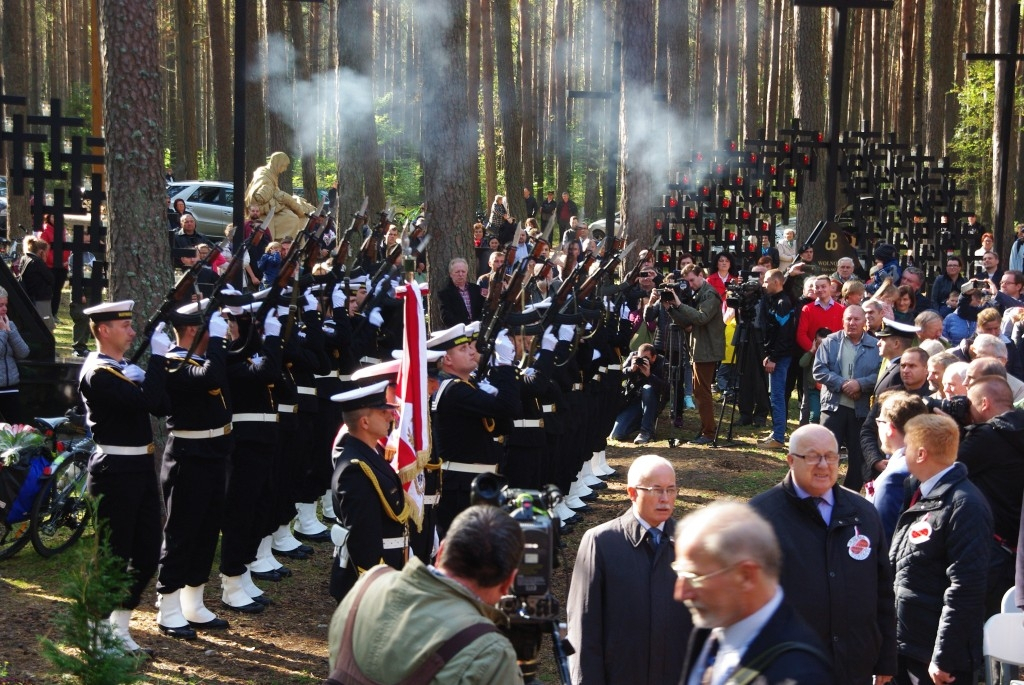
[(835, 559), (622, 620)]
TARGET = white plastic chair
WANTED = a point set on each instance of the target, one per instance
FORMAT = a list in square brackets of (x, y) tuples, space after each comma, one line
[(1009, 604), (1003, 642)]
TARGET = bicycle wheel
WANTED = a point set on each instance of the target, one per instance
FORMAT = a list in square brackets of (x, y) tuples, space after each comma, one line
[(59, 514), (13, 536)]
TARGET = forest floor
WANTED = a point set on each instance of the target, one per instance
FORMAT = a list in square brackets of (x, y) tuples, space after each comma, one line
[(288, 642)]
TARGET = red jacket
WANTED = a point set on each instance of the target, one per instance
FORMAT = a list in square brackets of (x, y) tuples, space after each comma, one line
[(813, 317)]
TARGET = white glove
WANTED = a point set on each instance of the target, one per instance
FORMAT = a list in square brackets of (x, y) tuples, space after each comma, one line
[(375, 317), (566, 332), (528, 372), (230, 290), (504, 349), (218, 326), (271, 325), (382, 286), (311, 303), (624, 312), (596, 356), (486, 386), (549, 340), (134, 373), (338, 297), (160, 343)]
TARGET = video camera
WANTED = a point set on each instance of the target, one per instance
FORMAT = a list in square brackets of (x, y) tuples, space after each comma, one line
[(682, 290), (532, 607), (743, 295), (958, 407)]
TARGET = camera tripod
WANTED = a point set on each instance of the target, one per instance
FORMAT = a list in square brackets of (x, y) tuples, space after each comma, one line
[(743, 349), (677, 352)]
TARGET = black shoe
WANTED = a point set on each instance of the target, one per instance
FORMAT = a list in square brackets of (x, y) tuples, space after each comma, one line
[(143, 653), (272, 576), (182, 633), (600, 485), (747, 420), (283, 571), (589, 498), (759, 421), (570, 521), (263, 599), (296, 553), (329, 521), (580, 510), (702, 440), (323, 536), (252, 607), (212, 624)]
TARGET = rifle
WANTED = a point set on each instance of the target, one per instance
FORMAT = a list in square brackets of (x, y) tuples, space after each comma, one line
[(340, 254), (368, 250), (607, 267), (634, 274), (495, 290), (489, 333)]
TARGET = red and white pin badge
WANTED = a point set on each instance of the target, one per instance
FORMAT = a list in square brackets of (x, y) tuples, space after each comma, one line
[(921, 531), (859, 546)]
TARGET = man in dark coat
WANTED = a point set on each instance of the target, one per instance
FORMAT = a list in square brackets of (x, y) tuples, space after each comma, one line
[(835, 559), (991, 450), (940, 554), (727, 566), (622, 622), (368, 497), (452, 298), (565, 210)]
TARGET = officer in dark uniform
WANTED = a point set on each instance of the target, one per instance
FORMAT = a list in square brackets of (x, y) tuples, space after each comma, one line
[(465, 416), (119, 398), (254, 364), (193, 473), (369, 500)]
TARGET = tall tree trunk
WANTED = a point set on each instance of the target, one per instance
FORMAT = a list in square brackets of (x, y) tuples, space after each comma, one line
[(1002, 42), (809, 101), (220, 58), (359, 169), (508, 98), (305, 122), (707, 74), (905, 103), (487, 87), (940, 78), (280, 91), (680, 69), (473, 93), (448, 158), (14, 39), (557, 100), (727, 58), (256, 152), (752, 114), (185, 67), (526, 93), (138, 251), (775, 60), (639, 141)]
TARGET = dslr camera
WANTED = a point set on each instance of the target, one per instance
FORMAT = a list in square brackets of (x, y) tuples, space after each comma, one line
[(958, 407), (532, 607)]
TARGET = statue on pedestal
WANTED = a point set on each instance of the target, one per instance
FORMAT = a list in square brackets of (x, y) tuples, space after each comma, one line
[(264, 192)]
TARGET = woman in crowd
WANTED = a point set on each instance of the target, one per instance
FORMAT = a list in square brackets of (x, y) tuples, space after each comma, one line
[(906, 302), (36, 278), (723, 275), (12, 348)]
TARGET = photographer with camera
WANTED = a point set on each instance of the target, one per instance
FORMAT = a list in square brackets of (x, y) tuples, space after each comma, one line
[(707, 341), (435, 622), (646, 392), (779, 345)]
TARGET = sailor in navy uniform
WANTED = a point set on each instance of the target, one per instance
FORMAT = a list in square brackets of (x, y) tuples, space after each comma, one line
[(465, 416), (254, 364), (369, 500), (119, 398), (193, 474)]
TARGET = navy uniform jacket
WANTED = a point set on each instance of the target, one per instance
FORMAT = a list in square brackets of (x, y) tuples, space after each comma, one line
[(251, 377), (118, 409), (198, 401), (367, 504)]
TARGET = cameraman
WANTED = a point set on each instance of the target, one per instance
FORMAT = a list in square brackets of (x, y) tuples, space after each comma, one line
[(779, 345), (646, 393), (393, 624), (707, 343)]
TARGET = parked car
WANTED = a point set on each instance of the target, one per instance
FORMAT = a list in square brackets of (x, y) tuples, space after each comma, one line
[(211, 203)]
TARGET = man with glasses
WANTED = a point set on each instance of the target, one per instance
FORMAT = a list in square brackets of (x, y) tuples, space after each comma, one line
[(951, 281), (835, 561), (727, 567), (623, 623)]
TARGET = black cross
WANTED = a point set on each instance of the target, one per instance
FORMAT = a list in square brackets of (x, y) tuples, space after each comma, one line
[(1008, 62), (837, 83)]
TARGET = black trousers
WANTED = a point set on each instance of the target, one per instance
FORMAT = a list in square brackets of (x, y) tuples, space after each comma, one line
[(248, 473), (913, 672), (194, 489), (845, 425), (130, 504)]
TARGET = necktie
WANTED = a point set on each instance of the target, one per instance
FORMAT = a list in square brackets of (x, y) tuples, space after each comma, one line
[(709, 663), (654, 535), (916, 496), (817, 505)]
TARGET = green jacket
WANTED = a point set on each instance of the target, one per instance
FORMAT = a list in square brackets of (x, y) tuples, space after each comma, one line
[(404, 617), (708, 337)]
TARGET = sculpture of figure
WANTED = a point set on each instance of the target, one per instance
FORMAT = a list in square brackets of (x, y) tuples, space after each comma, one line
[(264, 192)]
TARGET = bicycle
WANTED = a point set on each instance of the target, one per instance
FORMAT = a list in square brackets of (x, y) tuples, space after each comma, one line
[(59, 512)]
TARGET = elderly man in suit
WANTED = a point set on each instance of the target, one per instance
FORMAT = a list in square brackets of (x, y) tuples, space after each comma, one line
[(460, 300), (728, 563), (622, 621)]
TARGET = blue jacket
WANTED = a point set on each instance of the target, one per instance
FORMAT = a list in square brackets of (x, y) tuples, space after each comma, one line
[(865, 371)]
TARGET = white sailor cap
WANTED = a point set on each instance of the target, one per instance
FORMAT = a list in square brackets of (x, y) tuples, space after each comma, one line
[(449, 338), (110, 311), (191, 314), (388, 370), (892, 327), (432, 355), (473, 329), (367, 397)]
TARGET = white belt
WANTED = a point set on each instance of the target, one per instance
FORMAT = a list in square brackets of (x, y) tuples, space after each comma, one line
[(602, 369), (549, 408), (267, 418), (306, 390), (528, 423), (344, 376), (597, 377), (369, 360), (332, 374), (287, 408), (470, 468), (615, 367), (202, 434), (393, 543), (577, 386), (430, 500), (125, 450)]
